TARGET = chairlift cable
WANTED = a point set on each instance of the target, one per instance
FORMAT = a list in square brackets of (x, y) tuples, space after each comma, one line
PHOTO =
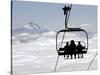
[(68, 17), (66, 22), (56, 63), (62, 39), (92, 61), (58, 55)]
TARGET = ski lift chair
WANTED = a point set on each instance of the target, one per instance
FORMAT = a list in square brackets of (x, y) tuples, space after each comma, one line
[(61, 50)]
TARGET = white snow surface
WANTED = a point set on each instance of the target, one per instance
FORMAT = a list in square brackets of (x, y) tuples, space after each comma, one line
[(36, 53)]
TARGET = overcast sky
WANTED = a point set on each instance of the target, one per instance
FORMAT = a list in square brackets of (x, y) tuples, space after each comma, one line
[(50, 15)]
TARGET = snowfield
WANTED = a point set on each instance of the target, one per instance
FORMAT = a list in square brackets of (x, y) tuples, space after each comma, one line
[(36, 53)]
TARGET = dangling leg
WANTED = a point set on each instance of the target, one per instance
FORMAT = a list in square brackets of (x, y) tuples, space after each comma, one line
[(56, 63), (78, 55), (64, 55), (67, 56), (75, 56), (71, 56), (82, 55)]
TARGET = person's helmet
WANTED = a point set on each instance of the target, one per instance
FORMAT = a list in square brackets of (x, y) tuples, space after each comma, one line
[(67, 43), (72, 41), (79, 42)]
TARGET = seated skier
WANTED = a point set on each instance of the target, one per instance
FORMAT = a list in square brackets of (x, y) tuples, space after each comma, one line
[(66, 52), (72, 48), (80, 49)]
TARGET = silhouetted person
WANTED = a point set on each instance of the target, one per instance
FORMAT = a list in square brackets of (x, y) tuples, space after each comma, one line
[(80, 49), (66, 50), (72, 49)]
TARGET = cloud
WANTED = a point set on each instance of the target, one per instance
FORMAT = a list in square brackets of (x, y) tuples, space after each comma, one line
[(84, 25), (49, 38), (37, 53), (93, 42), (91, 29), (26, 37), (50, 34)]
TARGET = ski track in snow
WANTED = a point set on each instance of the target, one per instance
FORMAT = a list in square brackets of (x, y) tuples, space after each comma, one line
[(39, 56)]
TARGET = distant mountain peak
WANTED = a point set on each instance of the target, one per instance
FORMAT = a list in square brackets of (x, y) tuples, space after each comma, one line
[(28, 26), (32, 25)]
